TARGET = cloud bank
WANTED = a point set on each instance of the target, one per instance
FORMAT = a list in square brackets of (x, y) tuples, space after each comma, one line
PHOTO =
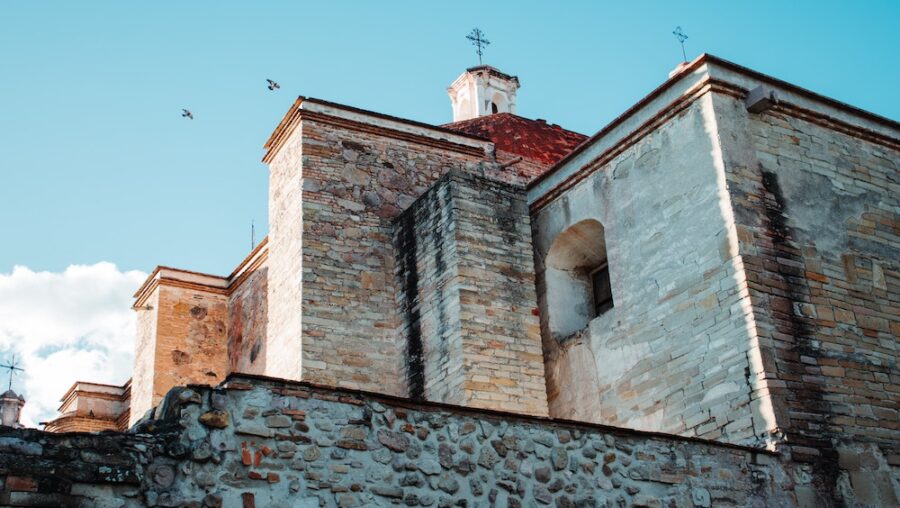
[(69, 326)]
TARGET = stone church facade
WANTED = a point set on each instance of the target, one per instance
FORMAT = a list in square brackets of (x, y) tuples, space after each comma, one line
[(706, 289)]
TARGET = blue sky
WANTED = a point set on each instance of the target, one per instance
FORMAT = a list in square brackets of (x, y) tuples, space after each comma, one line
[(98, 165)]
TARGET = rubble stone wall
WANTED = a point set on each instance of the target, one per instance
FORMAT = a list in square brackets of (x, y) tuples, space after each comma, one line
[(261, 442)]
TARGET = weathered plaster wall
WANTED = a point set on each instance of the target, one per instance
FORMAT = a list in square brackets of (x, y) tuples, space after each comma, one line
[(672, 354), (191, 338), (248, 307), (356, 180), (283, 354), (144, 359), (464, 266), (816, 205), (268, 443), (189, 344)]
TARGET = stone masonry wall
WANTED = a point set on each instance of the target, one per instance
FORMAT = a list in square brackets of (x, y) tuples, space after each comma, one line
[(189, 345), (257, 442), (672, 354), (355, 182), (503, 361), (248, 319), (817, 211), (467, 295), (283, 354), (144, 360), (428, 278)]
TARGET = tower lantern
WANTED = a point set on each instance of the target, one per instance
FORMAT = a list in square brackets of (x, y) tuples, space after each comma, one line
[(482, 91)]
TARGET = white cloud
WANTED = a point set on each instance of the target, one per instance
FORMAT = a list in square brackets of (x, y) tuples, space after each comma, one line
[(69, 326)]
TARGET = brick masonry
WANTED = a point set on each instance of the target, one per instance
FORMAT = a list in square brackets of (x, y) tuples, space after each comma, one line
[(259, 442)]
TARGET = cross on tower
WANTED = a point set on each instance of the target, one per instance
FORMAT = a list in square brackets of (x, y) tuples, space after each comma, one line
[(12, 366), (477, 38), (681, 36)]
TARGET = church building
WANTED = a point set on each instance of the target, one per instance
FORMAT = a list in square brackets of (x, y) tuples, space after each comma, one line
[(721, 263)]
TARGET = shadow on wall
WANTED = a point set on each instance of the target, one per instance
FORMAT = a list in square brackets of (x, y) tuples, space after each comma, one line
[(248, 317)]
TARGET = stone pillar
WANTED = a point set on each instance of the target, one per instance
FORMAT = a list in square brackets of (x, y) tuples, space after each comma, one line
[(467, 295)]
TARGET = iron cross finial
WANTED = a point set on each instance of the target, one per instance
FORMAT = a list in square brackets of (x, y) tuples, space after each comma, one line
[(12, 366), (681, 36), (477, 38)]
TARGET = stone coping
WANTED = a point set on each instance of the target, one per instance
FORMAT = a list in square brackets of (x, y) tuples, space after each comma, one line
[(239, 380), (386, 124)]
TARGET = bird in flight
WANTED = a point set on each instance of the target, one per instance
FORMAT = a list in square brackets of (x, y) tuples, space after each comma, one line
[(187, 114), (273, 85)]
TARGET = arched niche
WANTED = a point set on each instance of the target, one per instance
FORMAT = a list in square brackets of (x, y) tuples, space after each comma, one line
[(577, 278)]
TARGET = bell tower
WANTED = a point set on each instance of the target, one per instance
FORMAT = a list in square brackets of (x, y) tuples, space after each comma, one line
[(482, 91)]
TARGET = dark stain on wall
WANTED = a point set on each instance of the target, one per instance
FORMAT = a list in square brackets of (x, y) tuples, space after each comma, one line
[(409, 274), (801, 397)]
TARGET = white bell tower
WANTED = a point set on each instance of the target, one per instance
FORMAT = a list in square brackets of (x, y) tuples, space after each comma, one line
[(482, 91)]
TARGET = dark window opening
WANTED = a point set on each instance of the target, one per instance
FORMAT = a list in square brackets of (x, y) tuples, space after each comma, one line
[(494, 108), (602, 291)]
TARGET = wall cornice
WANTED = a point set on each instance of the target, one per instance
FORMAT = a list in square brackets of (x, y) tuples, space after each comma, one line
[(705, 74), (374, 123)]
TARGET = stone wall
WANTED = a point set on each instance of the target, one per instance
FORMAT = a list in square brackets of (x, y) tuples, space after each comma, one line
[(465, 270), (190, 340), (357, 177), (248, 319), (283, 354), (257, 442), (816, 204), (672, 354), (428, 296), (181, 339), (144, 359)]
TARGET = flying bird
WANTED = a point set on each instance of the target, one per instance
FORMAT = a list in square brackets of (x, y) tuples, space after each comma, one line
[(272, 85), (187, 114)]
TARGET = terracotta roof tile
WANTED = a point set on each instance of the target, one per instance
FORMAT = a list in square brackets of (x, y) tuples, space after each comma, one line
[(532, 139)]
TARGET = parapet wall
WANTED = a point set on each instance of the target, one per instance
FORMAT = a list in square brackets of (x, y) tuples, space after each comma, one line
[(263, 442)]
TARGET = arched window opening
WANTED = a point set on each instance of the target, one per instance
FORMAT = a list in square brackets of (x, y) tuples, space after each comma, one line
[(499, 104), (577, 279), (602, 291)]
